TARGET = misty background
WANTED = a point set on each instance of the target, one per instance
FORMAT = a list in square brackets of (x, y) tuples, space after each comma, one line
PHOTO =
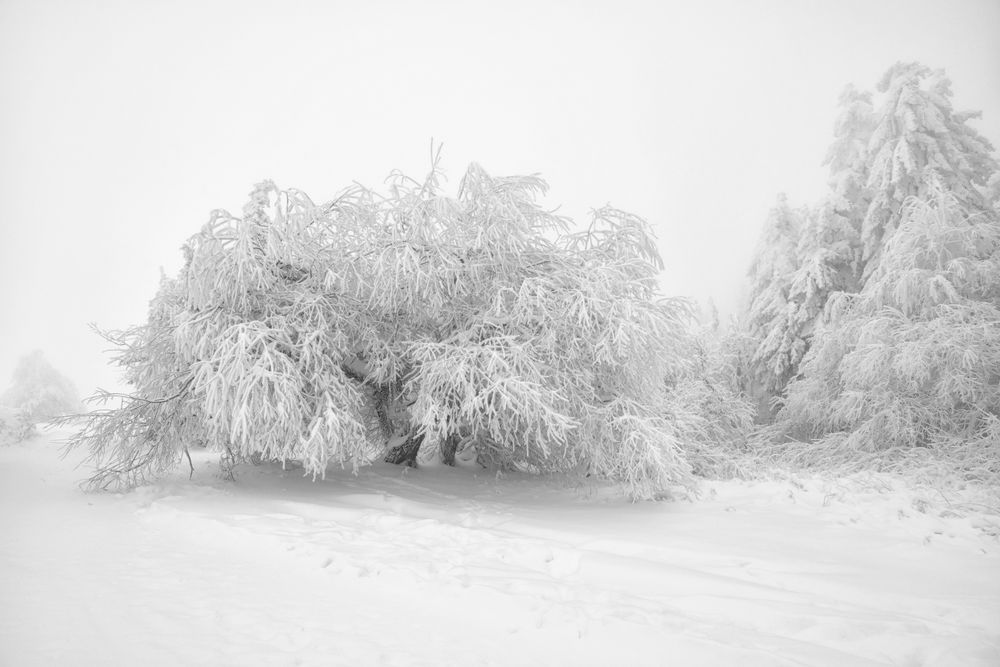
[(123, 124)]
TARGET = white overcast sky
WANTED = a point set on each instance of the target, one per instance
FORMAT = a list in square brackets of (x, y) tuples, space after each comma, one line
[(122, 124)]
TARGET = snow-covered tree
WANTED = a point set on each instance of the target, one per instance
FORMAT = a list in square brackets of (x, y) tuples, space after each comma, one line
[(826, 258), (771, 315), (708, 405), (826, 251), (39, 390), (805, 255), (913, 360), (15, 425), (407, 325), (848, 160), (903, 261), (919, 143), (913, 145), (830, 249), (129, 442)]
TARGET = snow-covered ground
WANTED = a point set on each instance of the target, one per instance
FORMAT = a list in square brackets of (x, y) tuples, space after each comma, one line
[(455, 566)]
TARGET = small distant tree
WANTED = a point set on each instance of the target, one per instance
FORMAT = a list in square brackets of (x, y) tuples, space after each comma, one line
[(39, 390), (15, 425), (405, 326)]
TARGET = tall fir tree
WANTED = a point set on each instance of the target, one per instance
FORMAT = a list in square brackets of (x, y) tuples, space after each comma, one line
[(847, 156), (839, 224), (907, 353), (825, 254), (771, 316), (913, 360), (914, 144), (919, 142)]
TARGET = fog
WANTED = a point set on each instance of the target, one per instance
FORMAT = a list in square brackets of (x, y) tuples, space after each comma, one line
[(123, 124)]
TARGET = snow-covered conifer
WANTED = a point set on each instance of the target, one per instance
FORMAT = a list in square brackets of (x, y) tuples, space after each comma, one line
[(835, 230), (919, 143), (914, 358), (847, 156), (771, 316), (915, 144)]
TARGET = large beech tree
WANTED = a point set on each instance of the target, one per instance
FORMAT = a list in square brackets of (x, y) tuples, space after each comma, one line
[(407, 325)]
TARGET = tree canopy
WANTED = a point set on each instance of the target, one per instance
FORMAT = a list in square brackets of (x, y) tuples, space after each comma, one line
[(407, 324)]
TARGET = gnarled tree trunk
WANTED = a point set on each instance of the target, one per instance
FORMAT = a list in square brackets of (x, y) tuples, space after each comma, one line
[(406, 452), (449, 447)]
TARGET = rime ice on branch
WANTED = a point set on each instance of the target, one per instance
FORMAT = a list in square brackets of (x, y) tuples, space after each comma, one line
[(405, 324)]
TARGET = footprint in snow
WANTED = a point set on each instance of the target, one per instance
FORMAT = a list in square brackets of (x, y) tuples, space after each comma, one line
[(562, 563)]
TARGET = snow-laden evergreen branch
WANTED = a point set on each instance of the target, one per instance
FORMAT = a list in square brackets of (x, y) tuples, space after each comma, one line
[(913, 360)]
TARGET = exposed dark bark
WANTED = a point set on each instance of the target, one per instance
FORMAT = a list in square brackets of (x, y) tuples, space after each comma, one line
[(406, 452), (382, 397), (448, 449)]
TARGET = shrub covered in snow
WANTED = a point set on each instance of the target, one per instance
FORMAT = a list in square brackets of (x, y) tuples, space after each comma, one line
[(325, 333), (707, 404)]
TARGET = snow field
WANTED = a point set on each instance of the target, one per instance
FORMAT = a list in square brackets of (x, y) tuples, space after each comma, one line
[(443, 566)]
